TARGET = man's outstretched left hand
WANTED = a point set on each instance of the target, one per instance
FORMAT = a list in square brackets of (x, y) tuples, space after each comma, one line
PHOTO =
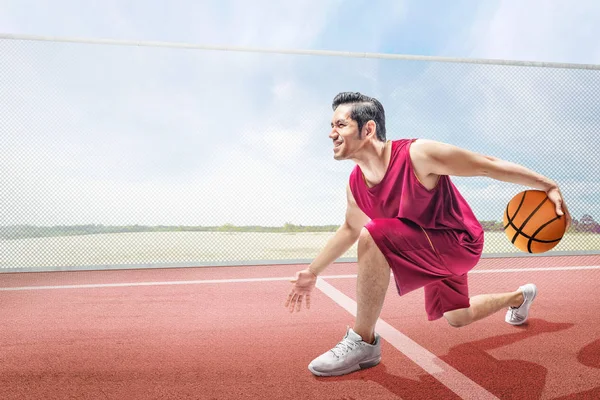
[(302, 287)]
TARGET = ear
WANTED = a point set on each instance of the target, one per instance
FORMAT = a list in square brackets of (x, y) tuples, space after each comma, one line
[(370, 128)]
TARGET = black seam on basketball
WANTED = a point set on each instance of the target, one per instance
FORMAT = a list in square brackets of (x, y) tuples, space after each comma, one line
[(532, 238), (520, 230), (508, 217)]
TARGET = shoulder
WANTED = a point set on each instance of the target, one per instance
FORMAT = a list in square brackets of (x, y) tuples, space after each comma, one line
[(433, 149), (401, 147), (402, 144), (421, 154), (420, 147)]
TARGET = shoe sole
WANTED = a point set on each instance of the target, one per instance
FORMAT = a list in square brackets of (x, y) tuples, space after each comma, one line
[(354, 368), (527, 317)]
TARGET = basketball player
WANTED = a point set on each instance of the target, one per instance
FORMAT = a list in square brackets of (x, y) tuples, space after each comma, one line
[(408, 217)]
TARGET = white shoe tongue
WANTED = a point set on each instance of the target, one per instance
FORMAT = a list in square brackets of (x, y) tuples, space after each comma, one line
[(354, 336)]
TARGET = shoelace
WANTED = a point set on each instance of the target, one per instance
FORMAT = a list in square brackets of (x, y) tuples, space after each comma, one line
[(514, 315), (343, 347)]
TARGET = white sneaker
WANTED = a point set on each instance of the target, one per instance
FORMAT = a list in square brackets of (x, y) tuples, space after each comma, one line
[(518, 315), (349, 355)]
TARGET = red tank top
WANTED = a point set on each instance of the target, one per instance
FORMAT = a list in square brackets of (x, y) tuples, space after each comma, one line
[(401, 195)]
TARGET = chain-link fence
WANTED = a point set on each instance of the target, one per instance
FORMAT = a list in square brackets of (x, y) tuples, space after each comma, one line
[(126, 156)]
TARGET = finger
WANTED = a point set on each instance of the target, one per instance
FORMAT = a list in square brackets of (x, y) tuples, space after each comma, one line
[(299, 304), (558, 205), (292, 302), (296, 300), (308, 301), (568, 214), (289, 298), (567, 217)]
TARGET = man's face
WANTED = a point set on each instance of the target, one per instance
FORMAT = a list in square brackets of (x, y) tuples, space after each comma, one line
[(344, 133)]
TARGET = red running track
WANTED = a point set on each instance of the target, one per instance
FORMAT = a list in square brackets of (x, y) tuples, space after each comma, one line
[(196, 333)]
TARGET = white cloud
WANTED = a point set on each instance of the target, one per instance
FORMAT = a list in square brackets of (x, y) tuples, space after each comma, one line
[(538, 30), (541, 118), (284, 90), (261, 23), (107, 134), (163, 136), (547, 118)]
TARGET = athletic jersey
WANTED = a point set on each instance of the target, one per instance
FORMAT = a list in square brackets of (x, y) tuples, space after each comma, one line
[(401, 195)]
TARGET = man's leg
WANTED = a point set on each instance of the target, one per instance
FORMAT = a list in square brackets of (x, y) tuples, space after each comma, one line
[(487, 304), (360, 348), (372, 284), (415, 264), (483, 306)]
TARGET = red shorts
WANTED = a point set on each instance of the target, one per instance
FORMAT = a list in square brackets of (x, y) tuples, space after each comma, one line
[(436, 260)]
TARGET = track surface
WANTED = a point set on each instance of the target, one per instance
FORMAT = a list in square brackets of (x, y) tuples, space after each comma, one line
[(223, 333)]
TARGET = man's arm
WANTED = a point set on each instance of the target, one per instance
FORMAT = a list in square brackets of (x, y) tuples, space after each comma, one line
[(344, 238), (431, 158), (346, 235)]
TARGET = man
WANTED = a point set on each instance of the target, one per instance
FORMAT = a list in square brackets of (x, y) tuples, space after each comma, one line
[(408, 217)]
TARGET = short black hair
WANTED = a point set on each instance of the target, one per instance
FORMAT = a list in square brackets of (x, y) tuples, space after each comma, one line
[(364, 109)]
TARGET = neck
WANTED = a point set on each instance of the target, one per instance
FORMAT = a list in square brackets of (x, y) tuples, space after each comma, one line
[(374, 160)]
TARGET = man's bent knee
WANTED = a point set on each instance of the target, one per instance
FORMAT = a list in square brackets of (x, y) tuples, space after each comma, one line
[(368, 249), (366, 241), (458, 318)]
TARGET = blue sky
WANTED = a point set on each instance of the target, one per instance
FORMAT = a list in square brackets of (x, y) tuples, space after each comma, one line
[(120, 135)]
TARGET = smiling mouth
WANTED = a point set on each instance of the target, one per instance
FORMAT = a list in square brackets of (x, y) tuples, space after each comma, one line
[(337, 144)]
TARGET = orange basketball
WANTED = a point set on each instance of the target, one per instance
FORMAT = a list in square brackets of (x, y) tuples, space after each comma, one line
[(531, 222)]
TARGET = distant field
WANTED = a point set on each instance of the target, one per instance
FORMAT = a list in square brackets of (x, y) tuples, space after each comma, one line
[(202, 248)]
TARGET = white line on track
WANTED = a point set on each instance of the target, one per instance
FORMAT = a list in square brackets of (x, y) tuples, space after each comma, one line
[(448, 376), (493, 271), (287, 278)]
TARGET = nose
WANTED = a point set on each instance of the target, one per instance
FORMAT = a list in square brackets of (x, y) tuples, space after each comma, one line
[(333, 134)]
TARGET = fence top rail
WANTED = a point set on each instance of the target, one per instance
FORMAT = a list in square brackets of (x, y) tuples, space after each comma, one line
[(327, 53)]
